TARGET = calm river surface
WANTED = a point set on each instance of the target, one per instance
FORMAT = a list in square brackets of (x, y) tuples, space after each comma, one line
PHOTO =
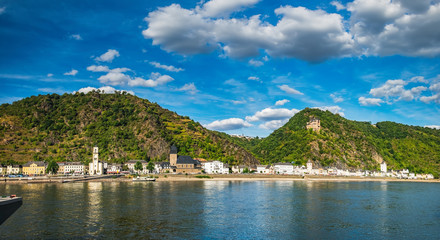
[(225, 210)]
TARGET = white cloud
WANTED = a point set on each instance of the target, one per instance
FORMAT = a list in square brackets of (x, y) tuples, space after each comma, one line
[(281, 102), (269, 114), (108, 56), (228, 124), (311, 35), (336, 98), (290, 90), (396, 88), (50, 75), (339, 6), (177, 29), (256, 63), (433, 126), (105, 89), (238, 101), (374, 27), (76, 37), (222, 8), (435, 98), (99, 68), (274, 124), (71, 73), (370, 101), (156, 79), (380, 26), (166, 67), (190, 88), (333, 109), (254, 78), (2, 10)]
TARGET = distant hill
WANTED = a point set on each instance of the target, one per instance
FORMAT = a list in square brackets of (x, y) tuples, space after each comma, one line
[(123, 126), (350, 144)]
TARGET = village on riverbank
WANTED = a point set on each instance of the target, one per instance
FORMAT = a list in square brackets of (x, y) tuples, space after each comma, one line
[(186, 165)]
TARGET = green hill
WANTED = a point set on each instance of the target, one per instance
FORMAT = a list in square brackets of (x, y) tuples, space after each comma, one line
[(351, 144), (122, 126)]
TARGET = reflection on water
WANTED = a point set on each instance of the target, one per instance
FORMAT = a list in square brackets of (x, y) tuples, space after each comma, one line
[(225, 210)]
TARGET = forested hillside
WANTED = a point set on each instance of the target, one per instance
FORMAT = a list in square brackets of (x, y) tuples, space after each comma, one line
[(351, 144), (123, 126)]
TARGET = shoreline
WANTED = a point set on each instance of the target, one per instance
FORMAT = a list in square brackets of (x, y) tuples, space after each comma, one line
[(220, 177)]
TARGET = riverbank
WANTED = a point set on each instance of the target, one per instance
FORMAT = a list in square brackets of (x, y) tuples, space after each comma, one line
[(216, 177)]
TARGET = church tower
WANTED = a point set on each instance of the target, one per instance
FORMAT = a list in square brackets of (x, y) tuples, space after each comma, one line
[(173, 156)]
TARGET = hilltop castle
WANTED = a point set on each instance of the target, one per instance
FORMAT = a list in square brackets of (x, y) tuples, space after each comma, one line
[(314, 124)]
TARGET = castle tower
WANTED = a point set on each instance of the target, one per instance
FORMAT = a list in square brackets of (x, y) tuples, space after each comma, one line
[(314, 124), (173, 156)]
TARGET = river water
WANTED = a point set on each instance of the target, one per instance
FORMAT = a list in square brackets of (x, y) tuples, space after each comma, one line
[(225, 210)]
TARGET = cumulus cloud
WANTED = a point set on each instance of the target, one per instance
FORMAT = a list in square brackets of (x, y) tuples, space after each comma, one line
[(2, 10), (256, 63), (336, 98), (95, 68), (374, 27), (274, 124), (269, 114), (380, 26), (108, 56), (339, 6), (370, 101), (290, 90), (311, 35), (71, 73), (190, 88), (76, 37), (433, 126), (155, 80), (177, 29), (166, 67), (254, 78), (281, 102), (50, 75), (333, 109), (105, 89), (222, 8), (396, 88), (228, 124)]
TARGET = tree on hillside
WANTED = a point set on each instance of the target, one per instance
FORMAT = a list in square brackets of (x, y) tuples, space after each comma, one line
[(138, 166), (150, 167), (52, 167)]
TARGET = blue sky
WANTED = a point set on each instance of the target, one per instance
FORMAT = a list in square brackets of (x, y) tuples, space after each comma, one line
[(238, 66)]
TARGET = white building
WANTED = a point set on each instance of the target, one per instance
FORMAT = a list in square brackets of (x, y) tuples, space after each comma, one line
[(130, 165), (383, 167), (309, 166), (71, 167), (264, 169), (215, 167), (162, 167), (96, 167), (114, 168), (14, 169), (283, 168), (238, 169)]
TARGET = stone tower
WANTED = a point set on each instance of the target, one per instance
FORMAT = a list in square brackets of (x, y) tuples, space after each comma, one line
[(173, 156), (314, 124)]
